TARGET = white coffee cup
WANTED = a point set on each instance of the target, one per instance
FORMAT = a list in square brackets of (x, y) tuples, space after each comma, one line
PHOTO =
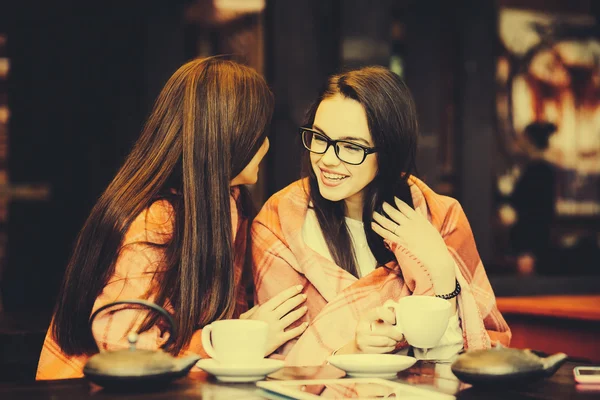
[(422, 319), (236, 341)]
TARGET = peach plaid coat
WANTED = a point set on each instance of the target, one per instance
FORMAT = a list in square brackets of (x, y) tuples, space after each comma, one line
[(337, 299)]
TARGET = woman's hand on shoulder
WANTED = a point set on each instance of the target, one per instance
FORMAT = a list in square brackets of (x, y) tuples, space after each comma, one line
[(280, 312), (413, 232)]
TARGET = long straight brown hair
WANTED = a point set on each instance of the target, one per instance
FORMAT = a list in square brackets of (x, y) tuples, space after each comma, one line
[(392, 121), (208, 122)]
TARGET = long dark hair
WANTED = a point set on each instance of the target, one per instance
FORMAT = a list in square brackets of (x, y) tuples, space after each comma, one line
[(208, 122), (392, 122)]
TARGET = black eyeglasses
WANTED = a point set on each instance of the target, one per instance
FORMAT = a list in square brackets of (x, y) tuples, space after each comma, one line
[(348, 152)]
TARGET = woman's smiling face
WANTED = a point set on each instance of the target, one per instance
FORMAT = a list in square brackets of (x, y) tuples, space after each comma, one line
[(339, 117)]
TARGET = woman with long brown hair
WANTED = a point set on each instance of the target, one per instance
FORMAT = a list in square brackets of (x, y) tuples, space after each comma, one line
[(172, 225), (360, 229)]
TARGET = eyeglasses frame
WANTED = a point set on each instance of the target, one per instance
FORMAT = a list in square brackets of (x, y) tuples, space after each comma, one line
[(331, 142)]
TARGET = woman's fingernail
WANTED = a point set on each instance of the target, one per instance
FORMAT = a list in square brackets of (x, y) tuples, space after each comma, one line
[(305, 324), (304, 308), (299, 288), (304, 295)]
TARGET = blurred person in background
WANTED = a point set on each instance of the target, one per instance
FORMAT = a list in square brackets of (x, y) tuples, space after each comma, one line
[(533, 199)]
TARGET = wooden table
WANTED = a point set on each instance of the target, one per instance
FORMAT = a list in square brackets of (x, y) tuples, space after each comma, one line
[(568, 324), (199, 385)]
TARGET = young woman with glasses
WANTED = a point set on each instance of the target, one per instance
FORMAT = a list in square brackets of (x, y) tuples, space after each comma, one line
[(361, 229), (172, 226)]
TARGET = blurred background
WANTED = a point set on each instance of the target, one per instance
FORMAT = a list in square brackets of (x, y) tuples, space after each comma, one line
[(507, 92)]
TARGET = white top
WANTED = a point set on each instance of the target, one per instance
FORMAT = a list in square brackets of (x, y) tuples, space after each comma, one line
[(452, 341)]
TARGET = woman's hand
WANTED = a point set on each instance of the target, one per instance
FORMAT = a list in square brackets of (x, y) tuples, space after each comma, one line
[(375, 333), (412, 231), (277, 312)]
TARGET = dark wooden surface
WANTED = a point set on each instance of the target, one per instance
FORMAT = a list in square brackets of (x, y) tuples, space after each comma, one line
[(568, 324), (582, 307), (199, 385)]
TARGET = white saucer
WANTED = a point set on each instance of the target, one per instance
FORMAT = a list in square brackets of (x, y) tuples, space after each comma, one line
[(240, 373), (372, 365)]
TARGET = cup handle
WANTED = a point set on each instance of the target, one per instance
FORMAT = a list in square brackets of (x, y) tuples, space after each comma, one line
[(206, 342), (392, 304)]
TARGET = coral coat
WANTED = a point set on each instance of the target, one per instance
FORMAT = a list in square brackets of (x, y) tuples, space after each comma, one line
[(337, 299), (134, 277)]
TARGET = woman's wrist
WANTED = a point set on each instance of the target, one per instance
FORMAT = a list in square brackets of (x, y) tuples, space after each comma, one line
[(444, 281)]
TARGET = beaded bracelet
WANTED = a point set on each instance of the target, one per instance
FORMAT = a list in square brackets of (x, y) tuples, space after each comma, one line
[(452, 294)]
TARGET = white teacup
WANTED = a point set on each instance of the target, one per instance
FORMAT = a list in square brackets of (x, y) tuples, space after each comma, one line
[(236, 341), (422, 319)]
